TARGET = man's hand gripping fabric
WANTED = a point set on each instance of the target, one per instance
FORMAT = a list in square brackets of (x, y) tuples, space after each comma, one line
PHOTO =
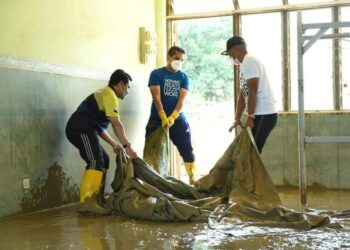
[(235, 124), (172, 118), (163, 118)]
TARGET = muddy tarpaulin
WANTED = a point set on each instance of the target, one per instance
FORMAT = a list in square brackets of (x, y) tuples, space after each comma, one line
[(241, 176), (156, 151), (237, 191)]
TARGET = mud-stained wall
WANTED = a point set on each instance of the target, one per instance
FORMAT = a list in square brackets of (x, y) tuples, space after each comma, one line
[(52, 190), (34, 109), (327, 164)]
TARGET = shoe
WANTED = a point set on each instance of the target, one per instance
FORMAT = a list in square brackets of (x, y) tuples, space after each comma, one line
[(90, 189)]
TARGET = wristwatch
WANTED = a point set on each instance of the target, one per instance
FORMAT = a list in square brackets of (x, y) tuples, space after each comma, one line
[(126, 145), (251, 116)]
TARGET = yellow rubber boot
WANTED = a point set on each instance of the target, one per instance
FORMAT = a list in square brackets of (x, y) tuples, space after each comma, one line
[(190, 170), (100, 196), (89, 189)]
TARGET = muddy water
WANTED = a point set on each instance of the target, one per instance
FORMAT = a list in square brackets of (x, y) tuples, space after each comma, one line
[(63, 228)]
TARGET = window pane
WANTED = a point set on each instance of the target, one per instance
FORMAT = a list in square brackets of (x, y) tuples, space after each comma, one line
[(209, 105), (195, 6), (250, 4), (263, 36), (292, 2), (318, 79), (345, 13)]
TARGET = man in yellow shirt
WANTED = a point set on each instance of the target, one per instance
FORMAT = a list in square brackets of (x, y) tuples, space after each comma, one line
[(91, 121)]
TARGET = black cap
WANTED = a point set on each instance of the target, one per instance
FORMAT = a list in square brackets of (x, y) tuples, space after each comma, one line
[(233, 41)]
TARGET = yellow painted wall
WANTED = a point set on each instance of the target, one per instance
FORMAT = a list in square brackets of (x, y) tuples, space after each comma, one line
[(98, 34)]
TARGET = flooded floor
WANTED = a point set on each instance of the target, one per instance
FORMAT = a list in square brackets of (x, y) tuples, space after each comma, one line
[(64, 228)]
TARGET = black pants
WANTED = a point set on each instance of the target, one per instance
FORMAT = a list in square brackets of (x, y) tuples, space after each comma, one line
[(263, 125), (90, 149)]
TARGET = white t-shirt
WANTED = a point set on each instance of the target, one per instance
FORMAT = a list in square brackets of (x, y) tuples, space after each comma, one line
[(251, 67)]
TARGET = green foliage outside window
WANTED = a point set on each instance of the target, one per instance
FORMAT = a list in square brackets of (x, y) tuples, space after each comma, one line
[(211, 74)]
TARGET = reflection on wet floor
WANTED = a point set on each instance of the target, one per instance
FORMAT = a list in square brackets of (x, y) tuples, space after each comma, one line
[(64, 228)]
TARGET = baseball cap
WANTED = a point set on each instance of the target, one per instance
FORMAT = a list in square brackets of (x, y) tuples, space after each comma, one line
[(233, 41)]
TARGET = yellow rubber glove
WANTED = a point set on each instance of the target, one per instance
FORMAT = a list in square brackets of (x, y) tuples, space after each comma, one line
[(162, 116), (172, 118), (190, 170)]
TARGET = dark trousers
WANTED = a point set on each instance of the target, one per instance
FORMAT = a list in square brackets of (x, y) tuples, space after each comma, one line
[(89, 148), (180, 135), (263, 125)]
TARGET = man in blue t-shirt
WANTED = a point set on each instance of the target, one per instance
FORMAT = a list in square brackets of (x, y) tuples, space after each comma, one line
[(169, 87)]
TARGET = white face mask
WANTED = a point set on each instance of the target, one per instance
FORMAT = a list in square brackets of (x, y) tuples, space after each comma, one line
[(176, 65), (236, 62), (234, 59)]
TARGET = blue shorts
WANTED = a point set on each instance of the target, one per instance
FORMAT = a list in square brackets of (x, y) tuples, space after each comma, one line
[(180, 135)]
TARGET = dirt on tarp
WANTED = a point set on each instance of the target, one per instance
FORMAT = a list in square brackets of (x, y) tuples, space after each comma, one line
[(237, 191), (156, 151)]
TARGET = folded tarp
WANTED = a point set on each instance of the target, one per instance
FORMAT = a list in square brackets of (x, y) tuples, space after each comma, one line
[(139, 192), (238, 190)]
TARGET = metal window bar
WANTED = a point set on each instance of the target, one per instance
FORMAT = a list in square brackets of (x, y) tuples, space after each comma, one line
[(302, 49)]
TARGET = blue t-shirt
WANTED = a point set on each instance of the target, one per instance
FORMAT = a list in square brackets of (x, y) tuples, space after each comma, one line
[(170, 84)]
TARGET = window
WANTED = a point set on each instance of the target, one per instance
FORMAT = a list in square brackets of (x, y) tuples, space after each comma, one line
[(250, 4), (294, 2), (195, 6), (209, 106), (345, 13), (318, 78), (262, 34)]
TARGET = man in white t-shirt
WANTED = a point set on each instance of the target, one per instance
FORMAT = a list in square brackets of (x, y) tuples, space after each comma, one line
[(256, 97)]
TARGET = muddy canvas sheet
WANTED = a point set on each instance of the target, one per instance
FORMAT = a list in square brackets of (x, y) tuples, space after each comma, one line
[(156, 151), (237, 191)]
